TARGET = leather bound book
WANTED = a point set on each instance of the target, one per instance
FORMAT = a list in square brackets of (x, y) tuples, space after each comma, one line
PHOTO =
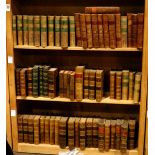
[(42, 129), (36, 129), (77, 132), (79, 70), (41, 80), (25, 128), (43, 31), (99, 85), (140, 30), (29, 80), (89, 132), (25, 30), (118, 134), (31, 129), (95, 132), (20, 29), (112, 30), (125, 32), (37, 31), (23, 82), (118, 85), (137, 87), (31, 30), (52, 130), (83, 31), (95, 30), (92, 79), (18, 92), (86, 84), (64, 31), (129, 28), (125, 84), (100, 30), (68, 84), (57, 121), (131, 85), (50, 29), (106, 30), (112, 133), (134, 30), (72, 31), (112, 84), (78, 30), (47, 130), (14, 29), (107, 135), (20, 128), (102, 10), (57, 31), (61, 83), (45, 80), (65, 83), (118, 31), (72, 86), (89, 30)]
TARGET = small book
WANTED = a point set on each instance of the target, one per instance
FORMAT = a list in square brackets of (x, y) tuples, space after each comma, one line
[(92, 79), (14, 29), (31, 129), (112, 133), (118, 85), (52, 130), (72, 31), (23, 82), (95, 132), (47, 130), (134, 30), (125, 31), (50, 30), (42, 129), (107, 135), (25, 30), (77, 132), (37, 31), (131, 85), (89, 132), (20, 29), (40, 80), (45, 80), (72, 86), (57, 121), (25, 128), (57, 31), (125, 84), (18, 92), (86, 84), (20, 128), (43, 31), (29, 80), (118, 134), (36, 129), (61, 83), (31, 30), (112, 84)]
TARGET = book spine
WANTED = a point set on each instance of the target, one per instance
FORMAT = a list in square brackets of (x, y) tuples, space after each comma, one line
[(61, 83), (83, 31), (131, 85), (107, 135), (118, 134), (25, 30), (20, 128), (45, 80), (23, 82), (41, 80), (72, 30), (42, 129), (95, 31), (78, 30), (72, 86), (29, 81), (89, 132), (68, 84), (129, 28), (36, 130), (77, 132), (124, 31), (43, 31), (57, 31), (35, 81), (30, 130), (50, 30), (47, 130), (37, 31), (95, 133), (125, 84), (25, 128), (65, 84), (57, 131), (14, 29), (20, 29), (118, 31), (113, 134), (92, 79), (31, 30), (18, 92), (100, 30), (106, 30), (64, 31), (51, 81), (112, 84), (86, 84), (137, 87), (52, 130), (134, 30), (118, 85), (112, 30)]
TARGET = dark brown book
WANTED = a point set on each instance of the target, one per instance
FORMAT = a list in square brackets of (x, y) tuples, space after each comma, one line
[(50, 30), (125, 84), (20, 29), (40, 80), (77, 132), (131, 85), (95, 132), (112, 134), (57, 31), (125, 32), (25, 30), (118, 134), (23, 82), (31, 129), (36, 129), (37, 31), (25, 128), (89, 132), (18, 92), (47, 130), (92, 79), (86, 84), (43, 31), (112, 84), (78, 30), (61, 83), (29, 81), (14, 29), (89, 30), (72, 86), (129, 27), (45, 80), (31, 30), (20, 128), (52, 130), (107, 135), (118, 85), (102, 10), (42, 129), (134, 30), (57, 120), (72, 31), (95, 30)]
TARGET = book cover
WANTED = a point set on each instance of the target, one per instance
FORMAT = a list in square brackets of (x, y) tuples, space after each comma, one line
[(118, 134), (89, 132), (20, 128), (52, 130), (57, 120), (61, 83), (14, 29), (112, 84), (25, 30), (131, 85), (42, 129), (31, 30), (92, 79), (125, 32), (65, 83), (118, 85), (40, 80), (20, 29), (29, 81), (45, 80), (31, 129), (17, 72), (57, 31), (112, 133), (37, 31), (107, 135), (43, 31), (95, 132), (72, 86), (50, 30), (129, 28), (23, 82), (77, 132), (125, 84), (86, 84), (72, 31), (36, 129), (47, 130), (134, 30), (25, 128)]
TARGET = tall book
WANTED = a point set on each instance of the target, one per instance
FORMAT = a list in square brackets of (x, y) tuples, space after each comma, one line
[(100, 29), (30, 30), (95, 30), (45, 80), (25, 128), (23, 82), (64, 31), (137, 87), (20, 128), (89, 132), (57, 31), (36, 129), (40, 80), (14, 29), (52, 130), (18, 92), (57, 121), (50, 28), (25, 30), (129, 28), (112, 31), (89, 30), (118, 134), (118, 85), (79, 82), (72, 86), (31, 129), (20, 29), (63, 132), (77, 132), (68, 84), (107, 135), (42, 129), (86, 84), (29, 80), (82, 133), (118, 31), (112, 133), (101, 135), (83, 31), (37, 31), (78, 30), (47, 130), (61, 83), (134, 30), (124, 31), (43, 31), (106, 30), (52, 82), (95, 132), (140, 30), (112, 84), (131, 85), (72, 31), (99, 85), (102, 10), (65, 83), (125, 84), (92, 79)]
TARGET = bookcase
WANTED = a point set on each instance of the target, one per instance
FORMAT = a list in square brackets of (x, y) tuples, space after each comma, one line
[(131, 58)]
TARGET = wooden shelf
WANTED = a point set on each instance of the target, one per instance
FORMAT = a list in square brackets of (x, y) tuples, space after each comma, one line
[(105, 100), (76, 48), (55, 149)]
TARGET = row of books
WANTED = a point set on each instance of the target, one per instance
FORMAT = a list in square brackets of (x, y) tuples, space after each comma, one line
[(101, 27), (100, 133)]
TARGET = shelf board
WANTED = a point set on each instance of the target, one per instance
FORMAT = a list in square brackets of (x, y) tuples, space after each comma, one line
[(55, 149), (75, 48), (105, 100)]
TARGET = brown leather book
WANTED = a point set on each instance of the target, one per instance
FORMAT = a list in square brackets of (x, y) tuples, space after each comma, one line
[(72, 31), (47, 130), (65, 93), (89, 132), (25, 128), (118, 134), (25, 30), (95, 132), (118, 85), (20, 128), (50, 30), (42, 129), (23, 82), (43, 31), (31, 30), (131, 85), (107, 135), (31, 129), (77, 132), (57, 31), (37, 31), (29, 80), (18, 92), (72, 86), (129, 28), (52, 130), (125, 84), (112, 134), (92, 79), (61, 83), (14, 29), (20, 29), (126, 40), (37, 129), (134, 30), (86, 84), (112, 84), (57, 121)]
